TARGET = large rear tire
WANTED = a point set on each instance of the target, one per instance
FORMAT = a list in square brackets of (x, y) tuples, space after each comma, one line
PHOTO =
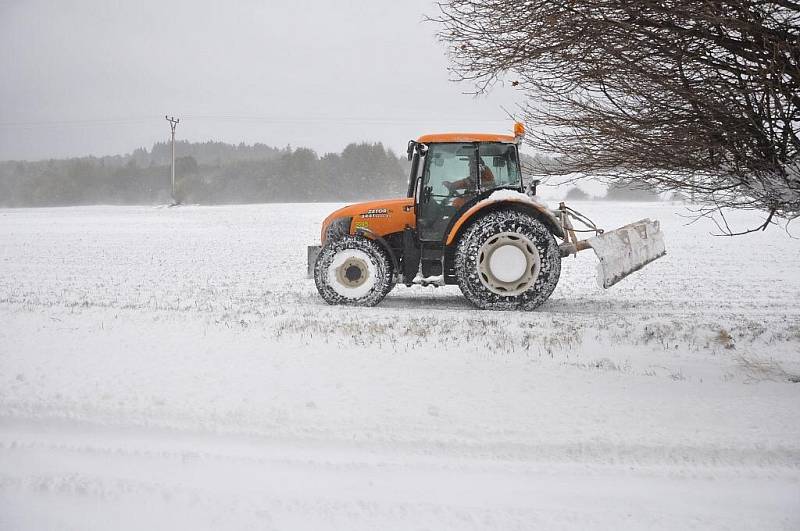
[(507, 260), (353, 270)]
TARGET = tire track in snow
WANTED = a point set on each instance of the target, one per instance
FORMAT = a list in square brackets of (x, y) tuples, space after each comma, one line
[(93, 439), (242, 482)]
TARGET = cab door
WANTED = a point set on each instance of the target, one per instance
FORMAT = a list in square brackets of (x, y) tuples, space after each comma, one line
[(445, 162)]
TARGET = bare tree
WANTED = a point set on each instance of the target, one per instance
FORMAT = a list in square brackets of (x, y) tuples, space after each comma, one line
[(696, 96)]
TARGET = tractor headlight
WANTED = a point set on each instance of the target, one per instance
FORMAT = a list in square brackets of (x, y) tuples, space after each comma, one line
[(336, 229)]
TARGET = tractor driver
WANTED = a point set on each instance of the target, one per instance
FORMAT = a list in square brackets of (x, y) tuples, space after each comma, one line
[(470, 183)]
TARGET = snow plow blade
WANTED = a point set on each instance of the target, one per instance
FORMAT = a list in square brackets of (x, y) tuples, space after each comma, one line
[(627, 249)]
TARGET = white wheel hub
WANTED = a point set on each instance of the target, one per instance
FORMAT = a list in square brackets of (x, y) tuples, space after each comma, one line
[(351, 273), (508, 263)]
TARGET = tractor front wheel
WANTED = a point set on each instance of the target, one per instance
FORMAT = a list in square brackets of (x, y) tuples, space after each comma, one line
[(354, 271), (507, 260)]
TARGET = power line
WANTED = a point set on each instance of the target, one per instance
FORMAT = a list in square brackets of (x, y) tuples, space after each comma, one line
[(248, 119), (336, 120), (61, 123)]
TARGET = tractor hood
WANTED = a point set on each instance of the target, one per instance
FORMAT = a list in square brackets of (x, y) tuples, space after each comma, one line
[(381, 217)]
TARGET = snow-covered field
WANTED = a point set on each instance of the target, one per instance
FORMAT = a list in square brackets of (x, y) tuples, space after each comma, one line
[(173, 369)]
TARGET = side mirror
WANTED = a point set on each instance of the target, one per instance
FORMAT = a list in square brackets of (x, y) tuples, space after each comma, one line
[(422, 149), (410, 150)]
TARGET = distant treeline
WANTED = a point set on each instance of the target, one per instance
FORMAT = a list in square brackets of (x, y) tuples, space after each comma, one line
[(620, 191), (207, 173)]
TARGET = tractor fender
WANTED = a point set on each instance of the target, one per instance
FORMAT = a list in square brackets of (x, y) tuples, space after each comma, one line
[(513, 200)]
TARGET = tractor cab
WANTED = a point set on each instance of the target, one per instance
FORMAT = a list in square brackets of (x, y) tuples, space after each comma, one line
[(448, 177)]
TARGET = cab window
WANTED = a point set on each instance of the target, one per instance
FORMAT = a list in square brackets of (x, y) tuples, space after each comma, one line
[(447, 163), (502, 161)]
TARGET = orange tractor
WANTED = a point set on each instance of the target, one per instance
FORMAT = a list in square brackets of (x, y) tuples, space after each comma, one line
[(467, 219)]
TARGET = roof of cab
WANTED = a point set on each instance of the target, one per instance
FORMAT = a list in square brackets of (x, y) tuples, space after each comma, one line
[(465, 137)]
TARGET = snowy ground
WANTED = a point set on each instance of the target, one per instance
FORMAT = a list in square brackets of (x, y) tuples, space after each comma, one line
[(173, 369)]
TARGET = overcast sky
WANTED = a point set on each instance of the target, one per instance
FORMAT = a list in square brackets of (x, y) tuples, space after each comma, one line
[(97, 77)]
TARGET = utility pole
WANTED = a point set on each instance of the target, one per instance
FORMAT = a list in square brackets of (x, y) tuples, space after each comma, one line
[(173, 122)]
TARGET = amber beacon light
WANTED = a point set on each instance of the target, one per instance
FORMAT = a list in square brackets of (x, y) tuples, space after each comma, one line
[(519, 131)]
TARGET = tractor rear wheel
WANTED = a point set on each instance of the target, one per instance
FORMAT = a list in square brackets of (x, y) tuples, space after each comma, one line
[(507, 260), (353, 270)]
